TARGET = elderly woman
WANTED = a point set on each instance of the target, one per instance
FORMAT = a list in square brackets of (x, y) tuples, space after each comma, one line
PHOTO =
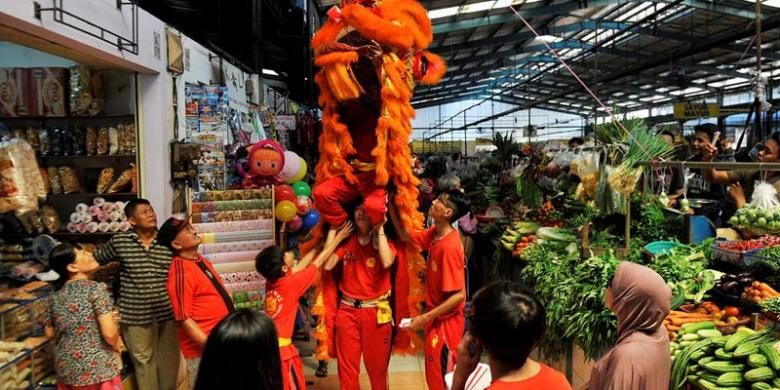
[(640, 360)]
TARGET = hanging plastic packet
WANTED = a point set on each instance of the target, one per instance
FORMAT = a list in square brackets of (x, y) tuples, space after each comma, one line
[(764, 196)]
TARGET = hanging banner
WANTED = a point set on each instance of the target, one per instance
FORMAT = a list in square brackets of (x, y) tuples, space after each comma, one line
[(691, 110)]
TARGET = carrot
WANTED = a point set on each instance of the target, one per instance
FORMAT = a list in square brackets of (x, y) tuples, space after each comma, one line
[(673, 328), (676, 321), (688, 315), (763, 287)]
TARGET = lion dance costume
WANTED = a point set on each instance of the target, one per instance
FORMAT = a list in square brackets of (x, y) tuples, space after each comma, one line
[(371, 53)]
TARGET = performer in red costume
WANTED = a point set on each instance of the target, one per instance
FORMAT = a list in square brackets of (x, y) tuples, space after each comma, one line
[(364, 321), (446, 285)]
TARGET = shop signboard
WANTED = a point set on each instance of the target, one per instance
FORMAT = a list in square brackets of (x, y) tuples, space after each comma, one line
[(693, 110)]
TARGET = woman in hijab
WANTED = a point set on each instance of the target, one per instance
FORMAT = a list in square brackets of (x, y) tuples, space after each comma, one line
[(640, 359)]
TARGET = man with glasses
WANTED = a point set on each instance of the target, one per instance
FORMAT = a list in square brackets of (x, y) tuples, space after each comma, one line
[(145, 312), (445, 281)]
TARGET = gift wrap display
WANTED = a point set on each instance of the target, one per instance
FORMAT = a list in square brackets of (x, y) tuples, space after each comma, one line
[(100, 216), (235, 226)]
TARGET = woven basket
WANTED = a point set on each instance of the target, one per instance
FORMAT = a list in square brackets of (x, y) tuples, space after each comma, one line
[(732, 328)]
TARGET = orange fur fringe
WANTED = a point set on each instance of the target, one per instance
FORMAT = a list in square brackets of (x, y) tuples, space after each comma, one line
[(402, 25)]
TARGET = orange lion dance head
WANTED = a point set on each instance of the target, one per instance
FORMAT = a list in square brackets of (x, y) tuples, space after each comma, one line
[(372, 53)]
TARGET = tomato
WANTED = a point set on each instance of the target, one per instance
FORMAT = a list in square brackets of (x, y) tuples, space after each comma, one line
[(732, 311)]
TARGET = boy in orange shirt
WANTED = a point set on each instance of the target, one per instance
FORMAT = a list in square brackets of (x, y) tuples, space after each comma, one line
[(285, 284), (446, 284)]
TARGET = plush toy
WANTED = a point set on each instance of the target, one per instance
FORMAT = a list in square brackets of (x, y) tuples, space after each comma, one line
[(264, 162)]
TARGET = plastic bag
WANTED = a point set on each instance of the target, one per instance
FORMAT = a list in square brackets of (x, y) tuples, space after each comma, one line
[(43, 138), (122, 181), (764, 196), (70, 180), (113, 141), (102, 141), (91, 141), (50, 219), (105, 179), (55, 184), (21, 184)]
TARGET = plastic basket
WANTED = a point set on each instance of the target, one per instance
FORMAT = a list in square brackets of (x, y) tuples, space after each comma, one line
[(728, 256)]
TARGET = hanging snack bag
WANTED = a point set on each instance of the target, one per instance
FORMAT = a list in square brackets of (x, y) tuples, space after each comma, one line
[(113, 141), (70, 180), (122, 181), (91, 141), (50, 219), (105, 180), (134, 180), (43, 138), (57, 142), (21, 184), (55, 184), (102, 141)]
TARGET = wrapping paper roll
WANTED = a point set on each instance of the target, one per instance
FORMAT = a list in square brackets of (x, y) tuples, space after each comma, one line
[(230, 205), (103, 217), (216, 196), (124, 226), (120, 206), (226, 216), (83, 227), (241, 277), (238, 246), (98, 201), (214, 238), (75, 217), (114, 226), (94, 210), (82, 208), (73, 227), (93, 227), (234, 226), (115, 216), (108, 207), (235, 267), (86, 218), (231, 257), (104, 227)]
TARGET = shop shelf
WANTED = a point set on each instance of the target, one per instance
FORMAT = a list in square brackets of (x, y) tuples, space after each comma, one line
[(64, 118), (77, 236), (85, 157), (94, 195)]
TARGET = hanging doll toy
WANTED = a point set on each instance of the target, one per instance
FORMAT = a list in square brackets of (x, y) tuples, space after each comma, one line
[(264, 162), (370, 55)]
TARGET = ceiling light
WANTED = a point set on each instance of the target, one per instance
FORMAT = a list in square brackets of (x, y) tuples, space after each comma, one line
[(442, 12), (477, 7), (270, 72)]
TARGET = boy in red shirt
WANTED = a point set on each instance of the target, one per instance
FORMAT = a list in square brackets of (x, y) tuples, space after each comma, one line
[(198, 297), (446, 284), (285, 284), (507, 322), (364, 321)]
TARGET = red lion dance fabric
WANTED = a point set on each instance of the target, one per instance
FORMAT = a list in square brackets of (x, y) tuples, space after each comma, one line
[(371, 53)]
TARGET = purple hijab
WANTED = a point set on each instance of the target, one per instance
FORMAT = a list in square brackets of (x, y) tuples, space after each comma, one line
[(640, 359)]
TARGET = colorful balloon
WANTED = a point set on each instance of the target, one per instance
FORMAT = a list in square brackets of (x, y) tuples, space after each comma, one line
[(292, 164), (302, 167), (295, 224), (310, 219), (285, 211), (284, 192), (303, 204), (301, 189)]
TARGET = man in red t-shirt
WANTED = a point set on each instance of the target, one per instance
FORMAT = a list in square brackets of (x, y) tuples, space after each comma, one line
[(285, 284), (364, 321), (198, 297), (508, 322), (446, 284)]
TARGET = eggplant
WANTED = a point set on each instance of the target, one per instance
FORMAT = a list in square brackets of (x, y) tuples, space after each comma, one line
[(729, 286), (746, 280)]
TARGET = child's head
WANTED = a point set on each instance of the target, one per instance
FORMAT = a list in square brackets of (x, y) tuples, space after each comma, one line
[(178, 235), (449, 206), (69, 261), (508, 321), (273, 263), (242, 353)]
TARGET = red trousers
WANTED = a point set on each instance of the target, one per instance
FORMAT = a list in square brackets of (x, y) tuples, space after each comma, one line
[(292, 369), (442, 337), (357, 333), (331, 195)]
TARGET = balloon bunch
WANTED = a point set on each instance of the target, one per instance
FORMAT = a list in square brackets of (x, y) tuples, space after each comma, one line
[(293, 202)]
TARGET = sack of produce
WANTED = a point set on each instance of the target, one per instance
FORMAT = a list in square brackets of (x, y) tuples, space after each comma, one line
[(21, 184), (762, 214), (105, 179)]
